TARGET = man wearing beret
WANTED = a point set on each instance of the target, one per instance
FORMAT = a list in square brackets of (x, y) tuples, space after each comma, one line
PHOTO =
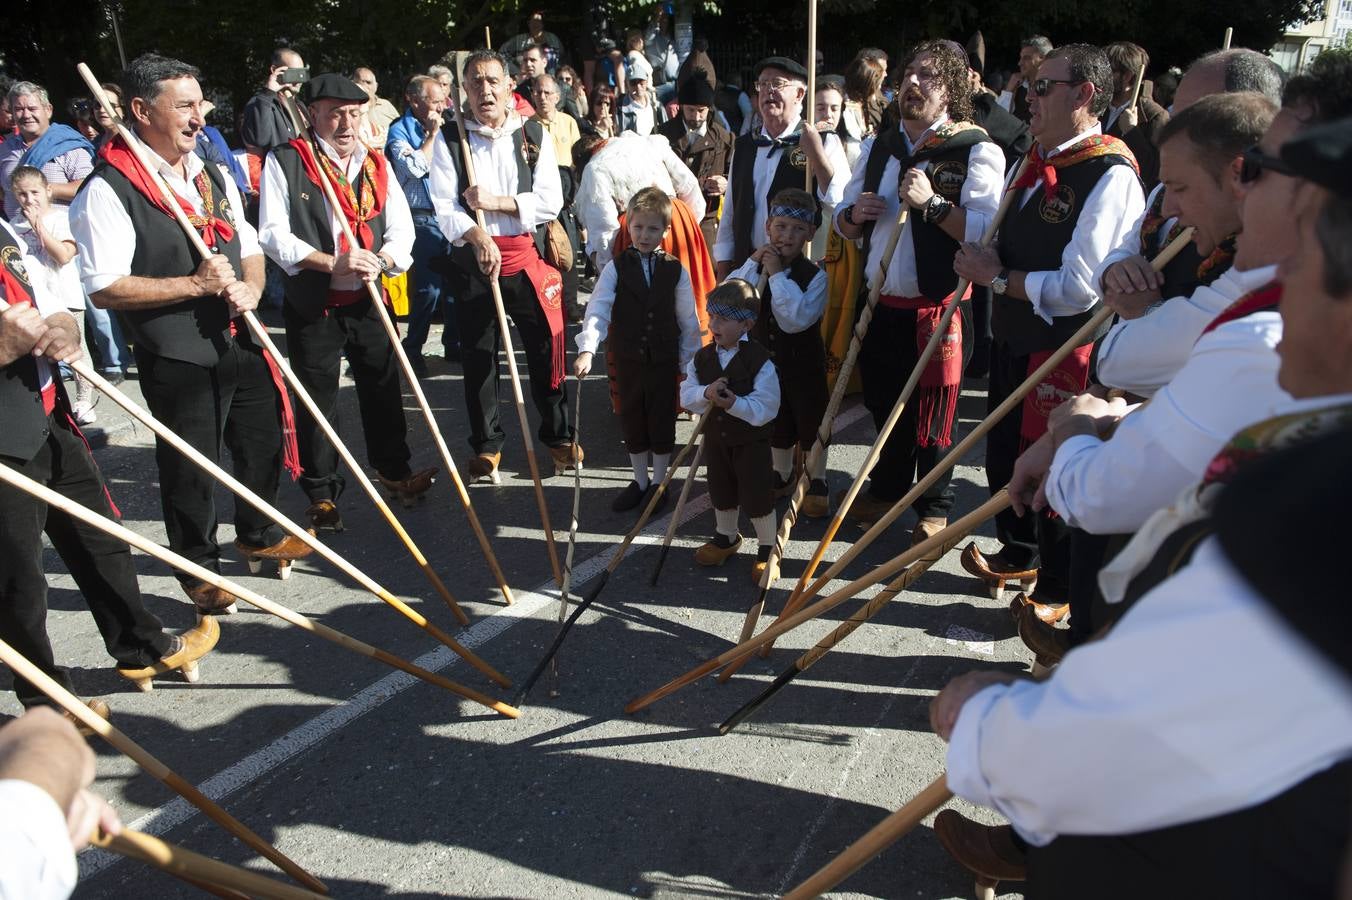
[(328, 310), (703, 145), (200, 371), (776, 157)]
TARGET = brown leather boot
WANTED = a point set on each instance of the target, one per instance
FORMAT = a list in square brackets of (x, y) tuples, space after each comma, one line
[(283, 553), (211, 600), (866, 508), (996, 574), (564, 458), (324, 516), (988, 851), (1051, 613), (484, 467), (98, 708), (925, 529), (409, 491)]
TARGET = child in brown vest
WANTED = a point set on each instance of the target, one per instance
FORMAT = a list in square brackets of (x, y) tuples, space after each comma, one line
[(644, 308), (789, 326), (733, 382)]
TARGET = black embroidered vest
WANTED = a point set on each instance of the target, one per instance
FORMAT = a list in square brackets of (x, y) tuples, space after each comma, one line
[(741, 375), (643, 323), (795, 355)]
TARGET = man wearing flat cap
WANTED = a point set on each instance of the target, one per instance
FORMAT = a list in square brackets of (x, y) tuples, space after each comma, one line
[(328, 311), (703, 145), (776, 157)]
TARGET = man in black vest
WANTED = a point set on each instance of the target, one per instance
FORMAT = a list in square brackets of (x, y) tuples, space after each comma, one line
[(519, 193), (328, 309), (199, 370), (949, 173), (1079, 198), (778, 157), (1018, 93), (703, 145), (1148, 756), (40, 440)]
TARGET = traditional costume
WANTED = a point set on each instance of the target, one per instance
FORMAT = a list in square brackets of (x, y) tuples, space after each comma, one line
[(201, 373), (329, 317), (707, 153)]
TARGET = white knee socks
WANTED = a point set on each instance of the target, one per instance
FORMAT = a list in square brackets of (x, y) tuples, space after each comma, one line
[(639, 461)]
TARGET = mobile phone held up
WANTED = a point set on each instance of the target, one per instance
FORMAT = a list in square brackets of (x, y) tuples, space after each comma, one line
[(293, 75)]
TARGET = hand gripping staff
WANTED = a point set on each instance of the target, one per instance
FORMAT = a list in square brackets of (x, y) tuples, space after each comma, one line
[(168, 557), (261, 335), (378, 304), (509, 352)]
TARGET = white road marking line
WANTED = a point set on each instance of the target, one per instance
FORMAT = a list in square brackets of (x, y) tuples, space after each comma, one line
[(301, 738)]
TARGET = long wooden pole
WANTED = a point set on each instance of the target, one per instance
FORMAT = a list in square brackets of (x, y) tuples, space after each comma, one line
[(168, 557), (811, 112), (166, 434), (960, 449), (196, 868), (1136, 91), (823, 438), (378, 304), (614, 564), (76, 707), (472, 179), (996, 504), (795, 600), (676, 514), (265, 340), (572, 531), (876, 840)]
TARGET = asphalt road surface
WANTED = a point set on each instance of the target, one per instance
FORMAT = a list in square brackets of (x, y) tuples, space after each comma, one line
[(384, 786)]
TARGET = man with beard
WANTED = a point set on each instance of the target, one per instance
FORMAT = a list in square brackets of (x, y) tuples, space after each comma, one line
[(777, 157), (1078, 197), (949, 173), (703, 145), (519, 192)]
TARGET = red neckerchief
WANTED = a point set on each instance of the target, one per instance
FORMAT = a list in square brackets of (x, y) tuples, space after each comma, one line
[(1266, 297), (359, 206), (1041, 168), (214, 231)]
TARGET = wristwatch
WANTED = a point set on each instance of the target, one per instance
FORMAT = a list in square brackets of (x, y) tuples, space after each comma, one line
[(1000, 283), (848, 215), (936, 208), (386, 264)]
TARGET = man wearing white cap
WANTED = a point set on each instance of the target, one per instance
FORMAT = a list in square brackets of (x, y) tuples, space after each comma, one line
[(639, 110)]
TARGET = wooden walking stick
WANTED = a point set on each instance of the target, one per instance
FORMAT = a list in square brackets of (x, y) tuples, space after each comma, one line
[(472, 180), (378, 304), (957, 530), (811, 81), (170, 437), (22, 667), (614, 564), (676, 514), (1136, 91), (196, 868), (809, 658), (875, 840), (823, 438), (168, 557), (265, 341), (572, 534), (795, 602), (960, 449)]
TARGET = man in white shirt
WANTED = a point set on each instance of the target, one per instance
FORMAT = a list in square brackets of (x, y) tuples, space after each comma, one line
[(775, 158), (1016, 96), (639, 110), (949, 173), (1079, 196), (1201, 723), (328, 310), (518, 192), (193, 359)]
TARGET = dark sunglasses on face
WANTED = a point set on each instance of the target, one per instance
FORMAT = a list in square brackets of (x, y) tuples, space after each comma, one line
[(1043, 86), (1255, 161)]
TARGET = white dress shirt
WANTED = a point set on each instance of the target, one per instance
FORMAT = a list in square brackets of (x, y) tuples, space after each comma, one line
[(1200, 702), (596, 320), (980, 198), (756, 408), (36, 859), (1107, 218), (495, 170), (288, 251), (106, 238), (1131, 244), (794, 309), (763, 174), (618, 171), (1228, 382), (1142, 355)]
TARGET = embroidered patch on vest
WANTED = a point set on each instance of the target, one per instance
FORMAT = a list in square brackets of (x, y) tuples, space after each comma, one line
[(12, 258), (948, 178), (798, 158), (1055, 210)]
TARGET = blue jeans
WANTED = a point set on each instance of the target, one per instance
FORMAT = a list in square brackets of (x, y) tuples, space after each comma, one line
[(428, 290), (102, 330)]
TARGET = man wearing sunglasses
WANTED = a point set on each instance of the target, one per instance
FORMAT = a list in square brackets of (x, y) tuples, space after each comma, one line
[(777, 158), (1078, 196)]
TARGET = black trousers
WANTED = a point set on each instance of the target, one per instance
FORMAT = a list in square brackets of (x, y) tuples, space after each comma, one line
[(233, 403), (1041, 540), (101, 565), (477, 319), (1291, 847), (886, 360), (803, 397), (316, 351), (648, 403)]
